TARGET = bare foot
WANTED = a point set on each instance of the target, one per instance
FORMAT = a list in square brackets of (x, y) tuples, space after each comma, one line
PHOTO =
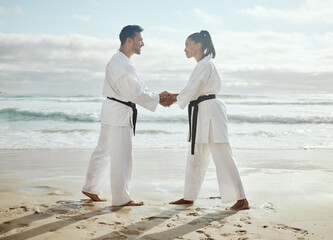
[(133, 204), (93, 197), (240, 205), (182, 201)]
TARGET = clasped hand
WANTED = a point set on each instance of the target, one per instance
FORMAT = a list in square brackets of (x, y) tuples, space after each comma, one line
[(167, 99)]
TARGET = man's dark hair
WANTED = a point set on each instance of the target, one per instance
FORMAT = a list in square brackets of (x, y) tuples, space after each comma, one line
[(129, 32)]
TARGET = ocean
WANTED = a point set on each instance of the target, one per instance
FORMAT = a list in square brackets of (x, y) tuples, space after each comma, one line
[(255, 122)]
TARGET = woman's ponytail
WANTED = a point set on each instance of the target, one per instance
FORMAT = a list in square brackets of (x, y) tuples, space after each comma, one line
[(206, 41)]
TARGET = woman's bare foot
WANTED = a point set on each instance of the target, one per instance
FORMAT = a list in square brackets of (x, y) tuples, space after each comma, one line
[(240, 205), (133, 204), (182, 201), (93, 197)]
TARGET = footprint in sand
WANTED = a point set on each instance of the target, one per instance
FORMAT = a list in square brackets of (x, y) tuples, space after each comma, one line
[(241, 232), (269, 207), (226, 234), (63, 217), (202, 232), (214, 198), (23, 225), (155, 217), (81, 226), (171, 225), (115, 236), (246, 220), (130, 231), (176, 218), (193, 214), (295, 230)]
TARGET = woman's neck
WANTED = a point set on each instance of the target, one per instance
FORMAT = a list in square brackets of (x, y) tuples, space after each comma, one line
[(198, 57)]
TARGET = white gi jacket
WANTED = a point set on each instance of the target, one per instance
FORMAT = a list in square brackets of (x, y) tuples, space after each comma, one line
[(212, 125), (121, 82)]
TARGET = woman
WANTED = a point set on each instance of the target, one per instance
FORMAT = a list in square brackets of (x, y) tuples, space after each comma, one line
[(208, 127)]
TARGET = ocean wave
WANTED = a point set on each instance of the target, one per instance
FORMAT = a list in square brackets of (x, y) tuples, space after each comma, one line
[(241, 119), (66, 130), (279, 103), (279, 120), (162, 119), (256, 134), (14, 114), (232, 99), (56, 99), (154, 132), (92, 99)]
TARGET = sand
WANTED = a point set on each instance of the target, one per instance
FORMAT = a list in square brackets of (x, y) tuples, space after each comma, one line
[(290, 193)]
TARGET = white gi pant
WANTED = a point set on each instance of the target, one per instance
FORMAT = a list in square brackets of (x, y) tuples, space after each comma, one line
[(115, 147), (230, 184)]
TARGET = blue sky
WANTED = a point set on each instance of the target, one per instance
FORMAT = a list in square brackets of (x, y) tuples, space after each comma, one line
[(62, 47)]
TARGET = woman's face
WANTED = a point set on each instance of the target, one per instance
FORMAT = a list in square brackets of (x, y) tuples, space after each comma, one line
[(191, 48)]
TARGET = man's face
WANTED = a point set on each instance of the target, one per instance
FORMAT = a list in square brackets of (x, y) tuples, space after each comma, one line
[(137, 43)]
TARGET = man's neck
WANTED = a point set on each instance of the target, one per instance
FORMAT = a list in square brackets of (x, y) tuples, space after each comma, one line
[(125, 51)]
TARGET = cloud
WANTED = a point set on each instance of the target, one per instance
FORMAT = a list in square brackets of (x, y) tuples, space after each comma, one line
[(288, 62), (180, 14), (259, 61), (310, 11), (84, 18), (271, 50), (42, 62), (2, 11), (206, 17), (18, 9), (166, 29)]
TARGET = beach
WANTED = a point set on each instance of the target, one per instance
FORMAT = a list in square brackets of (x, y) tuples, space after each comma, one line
[(290, 194)]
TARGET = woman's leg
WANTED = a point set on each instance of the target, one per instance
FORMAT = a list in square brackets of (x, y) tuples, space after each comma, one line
[(196, 167), (230, 184)]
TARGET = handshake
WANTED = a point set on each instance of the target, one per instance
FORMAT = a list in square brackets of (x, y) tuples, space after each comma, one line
[(167, 99)]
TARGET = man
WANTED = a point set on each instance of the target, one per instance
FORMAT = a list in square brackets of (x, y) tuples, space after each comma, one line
[(118, 116)]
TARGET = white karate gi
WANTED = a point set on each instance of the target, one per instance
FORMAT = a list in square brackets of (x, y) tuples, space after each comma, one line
[(212, 136), (115, 140)]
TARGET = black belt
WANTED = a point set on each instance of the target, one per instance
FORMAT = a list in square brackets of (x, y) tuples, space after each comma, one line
[(193, 129), (131, 105)]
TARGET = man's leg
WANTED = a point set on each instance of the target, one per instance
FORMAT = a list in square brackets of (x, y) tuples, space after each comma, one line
[(121, 165), (230, 184), (98, 169)]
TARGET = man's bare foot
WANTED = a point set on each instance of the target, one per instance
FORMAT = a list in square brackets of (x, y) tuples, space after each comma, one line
[(133, 204), (182, 201), (93, 197), (240, 205)]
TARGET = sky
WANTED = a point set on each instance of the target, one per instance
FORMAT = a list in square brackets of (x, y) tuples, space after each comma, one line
[(61, 47)]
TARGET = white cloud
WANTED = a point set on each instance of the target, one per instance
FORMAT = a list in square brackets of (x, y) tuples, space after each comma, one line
[(180, 14), (2, 10), (18, 9), (276, 61), (310, 11), (84, 18), (166, 29), (206, 17), (259, 60), (280, 51)]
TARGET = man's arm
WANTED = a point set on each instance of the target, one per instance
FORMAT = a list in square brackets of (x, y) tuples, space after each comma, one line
[(167, 99)]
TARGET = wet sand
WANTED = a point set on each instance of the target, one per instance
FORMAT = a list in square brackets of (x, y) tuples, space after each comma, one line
[(290, 193)]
